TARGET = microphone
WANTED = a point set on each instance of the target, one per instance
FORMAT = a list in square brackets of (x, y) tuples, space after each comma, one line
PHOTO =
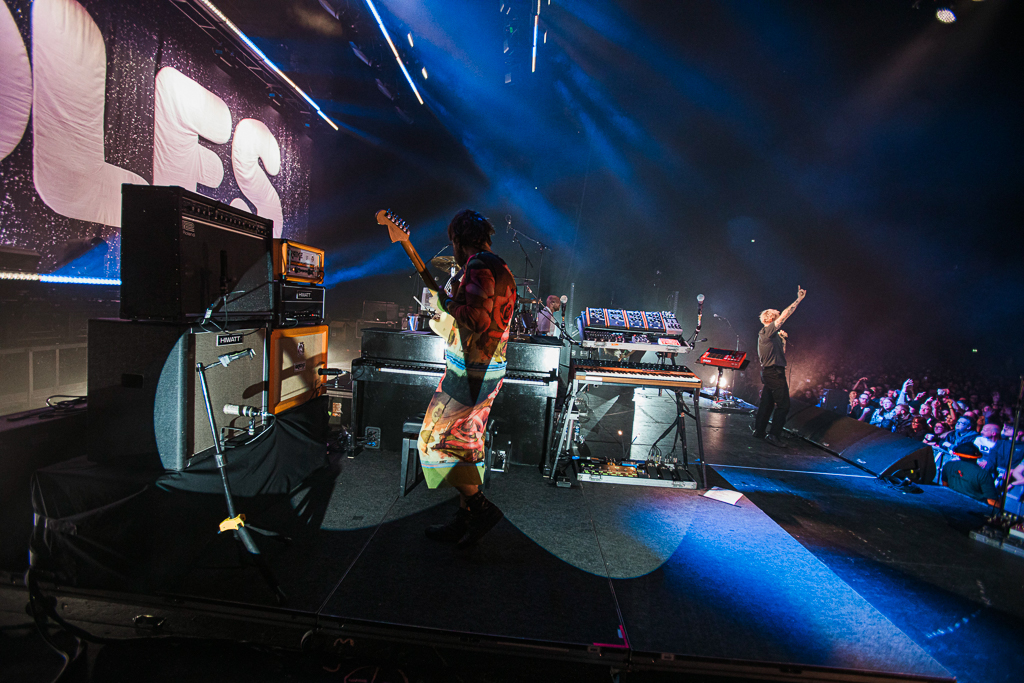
[(244, 411), (228, 358), (330, 372), (564, 299), (716, 315), (508, 222), (700, 298)]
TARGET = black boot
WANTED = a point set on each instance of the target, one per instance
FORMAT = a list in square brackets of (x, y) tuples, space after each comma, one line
[(451, 531), (483, 515)]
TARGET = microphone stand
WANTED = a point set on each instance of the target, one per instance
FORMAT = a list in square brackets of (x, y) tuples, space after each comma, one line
[(236, 522), (722, 317), (518, 236)]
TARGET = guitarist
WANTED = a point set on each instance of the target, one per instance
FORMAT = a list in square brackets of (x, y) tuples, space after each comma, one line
[(451, 442)]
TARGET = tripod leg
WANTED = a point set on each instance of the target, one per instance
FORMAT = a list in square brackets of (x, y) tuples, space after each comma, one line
[(700, 439), (242, 534)]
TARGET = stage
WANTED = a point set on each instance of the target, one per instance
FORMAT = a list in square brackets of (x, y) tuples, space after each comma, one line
[(820, 572)]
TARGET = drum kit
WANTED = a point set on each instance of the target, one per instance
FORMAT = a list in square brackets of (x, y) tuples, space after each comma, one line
[(524, 320)]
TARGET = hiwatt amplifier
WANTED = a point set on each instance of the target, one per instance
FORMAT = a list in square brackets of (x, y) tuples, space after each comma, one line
[(146, 406), (185, 257), (296, 356), (298, 305)]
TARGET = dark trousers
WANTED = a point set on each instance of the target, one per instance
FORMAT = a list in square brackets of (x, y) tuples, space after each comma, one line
[(774, 394)]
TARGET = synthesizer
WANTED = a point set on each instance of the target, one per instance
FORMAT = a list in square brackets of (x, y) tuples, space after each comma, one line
[(616, 320), (622, 330), (724, 358), (634, 374)]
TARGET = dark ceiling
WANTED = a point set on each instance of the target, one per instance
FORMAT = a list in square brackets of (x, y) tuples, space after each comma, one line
[(861, 149)]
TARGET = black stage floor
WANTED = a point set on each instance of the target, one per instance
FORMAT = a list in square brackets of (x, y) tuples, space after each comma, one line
[(818, 565)]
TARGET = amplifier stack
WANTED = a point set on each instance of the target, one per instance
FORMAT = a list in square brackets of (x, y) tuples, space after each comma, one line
[(202, 283)]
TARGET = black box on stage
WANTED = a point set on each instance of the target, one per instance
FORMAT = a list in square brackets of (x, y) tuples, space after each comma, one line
[(298, 305), (146, 404), (517, 415), (183, 254)]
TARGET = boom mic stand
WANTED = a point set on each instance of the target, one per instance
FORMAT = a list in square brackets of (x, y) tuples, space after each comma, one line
[(236, 522), (518, 236)]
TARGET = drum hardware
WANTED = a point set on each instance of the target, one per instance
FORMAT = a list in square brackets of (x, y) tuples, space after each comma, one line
[(444, 262)]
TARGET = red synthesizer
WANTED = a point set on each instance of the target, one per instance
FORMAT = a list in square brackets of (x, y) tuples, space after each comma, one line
[(724, 358)]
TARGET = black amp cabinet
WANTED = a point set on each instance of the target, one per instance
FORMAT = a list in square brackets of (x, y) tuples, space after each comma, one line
[(146, 406), (398, 372), (183, 255)]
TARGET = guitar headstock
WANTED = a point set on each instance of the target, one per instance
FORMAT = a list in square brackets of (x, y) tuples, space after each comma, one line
[(398, 229)]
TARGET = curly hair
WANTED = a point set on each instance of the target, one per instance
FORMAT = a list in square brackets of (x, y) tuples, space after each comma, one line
[(470, 229)]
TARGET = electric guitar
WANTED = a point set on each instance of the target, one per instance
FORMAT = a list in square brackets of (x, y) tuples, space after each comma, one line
[(440, 322)]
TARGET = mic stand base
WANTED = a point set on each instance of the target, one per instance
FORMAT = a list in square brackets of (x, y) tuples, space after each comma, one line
[(235, 521)]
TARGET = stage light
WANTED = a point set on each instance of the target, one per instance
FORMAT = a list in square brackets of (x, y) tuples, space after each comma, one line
[(536, 19), (398, 59), (72, 280), (360, 54), (424, 72), (945, 15), (259, 53), (16, 275), (410, 40)]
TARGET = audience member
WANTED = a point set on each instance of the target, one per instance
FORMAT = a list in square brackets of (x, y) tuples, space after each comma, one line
[(966, 477)]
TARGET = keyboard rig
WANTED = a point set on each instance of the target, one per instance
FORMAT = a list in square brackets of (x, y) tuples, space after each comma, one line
[(623, 330)]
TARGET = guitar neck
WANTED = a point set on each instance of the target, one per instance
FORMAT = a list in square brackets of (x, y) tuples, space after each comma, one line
[(421, 267)]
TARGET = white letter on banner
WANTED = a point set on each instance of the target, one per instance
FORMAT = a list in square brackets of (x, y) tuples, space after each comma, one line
[(185, 111), (254, 143), (15, 84), (69, 61)]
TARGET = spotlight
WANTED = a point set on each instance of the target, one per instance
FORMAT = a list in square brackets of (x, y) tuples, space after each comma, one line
[(359, 53), (945, 15), (385, 90)]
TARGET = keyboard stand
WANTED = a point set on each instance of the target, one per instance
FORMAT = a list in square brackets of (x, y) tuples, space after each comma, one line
[(568, 421)]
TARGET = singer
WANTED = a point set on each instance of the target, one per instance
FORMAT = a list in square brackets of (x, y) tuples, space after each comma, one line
[(771, 350), (451, 441)]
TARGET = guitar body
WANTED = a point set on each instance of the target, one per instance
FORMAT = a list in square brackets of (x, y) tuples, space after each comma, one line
[(441, 323)]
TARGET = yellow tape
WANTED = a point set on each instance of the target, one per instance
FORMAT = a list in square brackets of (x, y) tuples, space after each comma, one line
[(232, 523)]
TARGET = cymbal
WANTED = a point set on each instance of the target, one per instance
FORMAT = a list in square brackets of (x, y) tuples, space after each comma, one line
[(443, 262), (525, 279), (529, 301)]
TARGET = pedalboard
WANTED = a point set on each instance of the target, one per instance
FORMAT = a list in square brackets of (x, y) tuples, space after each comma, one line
[(634, 472)]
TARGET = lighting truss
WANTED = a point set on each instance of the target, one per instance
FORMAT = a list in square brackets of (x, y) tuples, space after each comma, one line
[(398, 59), (219, 23)]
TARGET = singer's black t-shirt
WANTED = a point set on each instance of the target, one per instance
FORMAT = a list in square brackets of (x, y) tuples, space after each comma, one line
[(770, 347)]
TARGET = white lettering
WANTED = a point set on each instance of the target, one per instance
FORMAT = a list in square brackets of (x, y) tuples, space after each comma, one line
[(69, 61), (15, 84), (185, 111), (253, 143)]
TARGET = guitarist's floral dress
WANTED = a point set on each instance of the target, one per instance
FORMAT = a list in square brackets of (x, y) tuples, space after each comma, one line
[(451, 442)]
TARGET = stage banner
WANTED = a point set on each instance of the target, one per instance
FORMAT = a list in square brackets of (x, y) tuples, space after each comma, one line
[(96, 93)]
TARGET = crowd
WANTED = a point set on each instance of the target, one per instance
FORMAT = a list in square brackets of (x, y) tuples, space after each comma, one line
[(968, 424)]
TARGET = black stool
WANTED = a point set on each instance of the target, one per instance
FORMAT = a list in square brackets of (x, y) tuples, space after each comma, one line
[(412, 473)]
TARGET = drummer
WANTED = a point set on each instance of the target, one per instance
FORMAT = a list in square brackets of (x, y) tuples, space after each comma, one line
[(546, 324)]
